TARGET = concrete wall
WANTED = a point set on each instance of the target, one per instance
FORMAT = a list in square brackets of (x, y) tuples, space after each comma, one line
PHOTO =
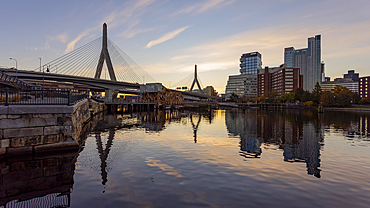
[(33, 129)]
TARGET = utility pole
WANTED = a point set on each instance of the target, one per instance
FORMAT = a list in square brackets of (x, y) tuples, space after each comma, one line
[(16, 67)]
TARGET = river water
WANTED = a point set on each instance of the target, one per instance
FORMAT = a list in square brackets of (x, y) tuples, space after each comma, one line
[(223, 158)]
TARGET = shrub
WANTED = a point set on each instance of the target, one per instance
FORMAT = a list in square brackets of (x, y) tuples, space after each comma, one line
[(308, 104)]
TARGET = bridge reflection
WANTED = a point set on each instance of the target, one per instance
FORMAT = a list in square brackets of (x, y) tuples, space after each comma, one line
[(105, 130)]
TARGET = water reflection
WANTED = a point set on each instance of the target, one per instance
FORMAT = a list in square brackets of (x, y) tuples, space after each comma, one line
[(354, 125), (298, 137), (41, 181), (106, 129), (298, 133), (195, 126)]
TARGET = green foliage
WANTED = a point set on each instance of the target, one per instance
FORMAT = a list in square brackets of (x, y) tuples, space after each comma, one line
[(327, 98), (272, 96), (316, 93), (291, 97), (234, 97), (283, 97), (343, 99), (339, 96), (364, 101), (298, 94), (308, 104), (246, 99), (340, 89), (355, 98)]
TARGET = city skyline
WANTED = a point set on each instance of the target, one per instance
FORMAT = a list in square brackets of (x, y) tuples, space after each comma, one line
[(167, 38)]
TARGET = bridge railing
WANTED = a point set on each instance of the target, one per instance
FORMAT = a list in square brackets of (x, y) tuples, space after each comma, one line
[(9, 80), (134, 101), (40, 97)]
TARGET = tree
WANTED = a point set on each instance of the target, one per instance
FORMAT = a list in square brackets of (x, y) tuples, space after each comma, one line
[(340, 89), (355, 98), (259, 99), (306, 96), (316, 93), (272, 95), (283, 97), (291, 97), (246, 99), (327, 98), (308, 104), (298, 94), (343, 99), (234, 97)]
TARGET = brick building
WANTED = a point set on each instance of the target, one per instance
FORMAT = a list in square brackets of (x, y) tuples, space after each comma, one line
[(280, 79)]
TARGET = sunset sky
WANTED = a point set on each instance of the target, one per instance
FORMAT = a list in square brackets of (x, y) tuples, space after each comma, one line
[(167, 37)]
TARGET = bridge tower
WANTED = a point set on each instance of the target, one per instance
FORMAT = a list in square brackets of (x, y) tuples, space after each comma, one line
[(195, 80), (104, 55)]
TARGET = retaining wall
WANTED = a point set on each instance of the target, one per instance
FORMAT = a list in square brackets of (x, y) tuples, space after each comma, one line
[(32, 129)]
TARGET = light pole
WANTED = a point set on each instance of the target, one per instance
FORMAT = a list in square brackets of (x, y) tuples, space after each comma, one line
[(16, 66), (40, 63), (43, 78)]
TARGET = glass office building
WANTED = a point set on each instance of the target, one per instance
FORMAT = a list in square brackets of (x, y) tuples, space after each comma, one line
[(308, 60), (250, 63)]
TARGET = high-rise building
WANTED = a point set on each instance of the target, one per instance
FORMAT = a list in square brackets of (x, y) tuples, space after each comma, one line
[(308, 60), (245, 84), (250, 63), (280, 79)]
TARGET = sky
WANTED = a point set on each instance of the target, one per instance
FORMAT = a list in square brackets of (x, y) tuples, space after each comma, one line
[(168, 37)]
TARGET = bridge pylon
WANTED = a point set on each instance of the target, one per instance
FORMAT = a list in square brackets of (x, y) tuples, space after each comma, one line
[(104, 55), (195, 80)]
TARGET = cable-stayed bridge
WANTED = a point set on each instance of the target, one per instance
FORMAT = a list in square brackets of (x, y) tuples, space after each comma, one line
[(100, 65)]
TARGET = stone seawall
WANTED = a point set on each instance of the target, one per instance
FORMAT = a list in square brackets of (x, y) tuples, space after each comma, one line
[(34, 129)]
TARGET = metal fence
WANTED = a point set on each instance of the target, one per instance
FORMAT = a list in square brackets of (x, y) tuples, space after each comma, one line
[(40, 97)]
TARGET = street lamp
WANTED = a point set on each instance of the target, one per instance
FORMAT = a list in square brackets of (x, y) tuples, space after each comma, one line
[(40, 63), (16, 66), (43, 78)]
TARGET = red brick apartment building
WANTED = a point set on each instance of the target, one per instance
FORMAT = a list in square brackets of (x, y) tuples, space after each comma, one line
[(279, 79), (363, 87)]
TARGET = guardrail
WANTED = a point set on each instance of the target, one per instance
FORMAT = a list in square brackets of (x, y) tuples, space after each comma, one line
[(9, 80), (136, 101), (40, 97)]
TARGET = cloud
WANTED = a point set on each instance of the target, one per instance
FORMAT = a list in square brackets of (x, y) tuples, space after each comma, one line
[(131, 31), (203, 7), (61, 37), (130, 12), (72, 44), (178, 58), (166, 37)]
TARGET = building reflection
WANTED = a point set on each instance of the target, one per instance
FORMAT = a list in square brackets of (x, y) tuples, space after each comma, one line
[(298, 133), (354, 125)]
